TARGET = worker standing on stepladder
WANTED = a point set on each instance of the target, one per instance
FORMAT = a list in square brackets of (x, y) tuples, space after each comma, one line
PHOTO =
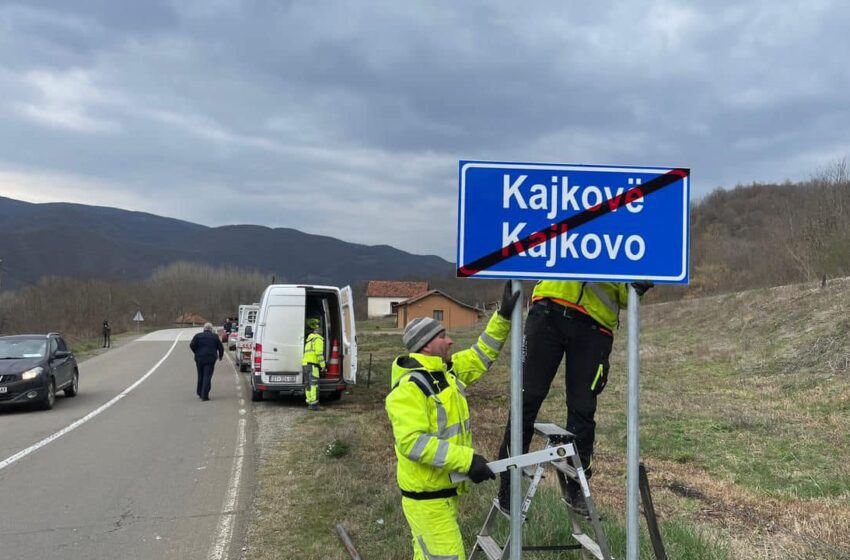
[(576, 320), (313, 363)]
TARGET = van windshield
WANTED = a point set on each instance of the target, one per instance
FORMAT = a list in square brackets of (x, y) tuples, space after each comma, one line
[(22, 349)]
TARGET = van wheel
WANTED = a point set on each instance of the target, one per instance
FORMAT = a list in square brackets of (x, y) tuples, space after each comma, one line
[(256, 396), (335, 396)]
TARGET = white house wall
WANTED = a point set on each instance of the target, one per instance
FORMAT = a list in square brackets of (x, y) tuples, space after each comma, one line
[(381, 306)]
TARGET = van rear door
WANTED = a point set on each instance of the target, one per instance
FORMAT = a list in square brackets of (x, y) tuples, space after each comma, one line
[(283, 332), (349, 336)]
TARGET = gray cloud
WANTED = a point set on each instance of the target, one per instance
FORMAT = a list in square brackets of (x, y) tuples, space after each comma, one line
[(348, 118)]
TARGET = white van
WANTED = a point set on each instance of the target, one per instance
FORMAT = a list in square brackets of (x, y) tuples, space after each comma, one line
[(245, 335), (279, 340)]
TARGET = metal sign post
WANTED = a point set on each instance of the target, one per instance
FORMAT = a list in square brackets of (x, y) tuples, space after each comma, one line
[(588, 223), (516, 423), (633, 429)]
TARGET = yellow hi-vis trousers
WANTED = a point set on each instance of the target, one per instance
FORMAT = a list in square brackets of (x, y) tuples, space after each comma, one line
[(436, 533), (312, 391)]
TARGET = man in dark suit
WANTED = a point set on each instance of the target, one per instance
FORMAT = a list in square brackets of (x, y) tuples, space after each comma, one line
[(206, 346)]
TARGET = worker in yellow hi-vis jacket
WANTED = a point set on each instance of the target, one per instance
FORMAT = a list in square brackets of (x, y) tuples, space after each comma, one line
[(430, 420), (313, 362), (577, 320)]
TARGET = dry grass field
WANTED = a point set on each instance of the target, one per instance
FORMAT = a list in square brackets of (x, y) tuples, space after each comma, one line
[(745, 427)]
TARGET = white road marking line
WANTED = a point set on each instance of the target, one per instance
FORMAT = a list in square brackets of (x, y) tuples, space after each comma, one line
[(21, 454), (224, 531)]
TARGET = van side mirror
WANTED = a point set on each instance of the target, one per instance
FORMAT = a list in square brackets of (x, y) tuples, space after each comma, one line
[(249, 332)]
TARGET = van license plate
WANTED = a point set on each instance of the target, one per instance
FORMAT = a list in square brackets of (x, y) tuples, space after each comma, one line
[(3, 389), (281, 379)]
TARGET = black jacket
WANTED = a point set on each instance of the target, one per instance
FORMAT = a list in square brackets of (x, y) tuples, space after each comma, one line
[(207, 347)]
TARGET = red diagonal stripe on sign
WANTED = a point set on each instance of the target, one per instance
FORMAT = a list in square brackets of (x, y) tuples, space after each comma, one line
[(574, 221)]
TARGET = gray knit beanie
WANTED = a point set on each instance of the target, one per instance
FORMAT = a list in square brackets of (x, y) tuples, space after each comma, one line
[(420, 331)]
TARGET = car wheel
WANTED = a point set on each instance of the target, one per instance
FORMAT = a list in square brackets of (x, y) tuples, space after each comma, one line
[(50, 397), (74, 387), (256, 396)]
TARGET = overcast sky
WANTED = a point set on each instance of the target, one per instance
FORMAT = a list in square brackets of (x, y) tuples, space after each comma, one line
[(348, 118)]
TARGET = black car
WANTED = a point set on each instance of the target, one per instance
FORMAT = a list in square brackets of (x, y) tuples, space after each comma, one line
[(33, 367)]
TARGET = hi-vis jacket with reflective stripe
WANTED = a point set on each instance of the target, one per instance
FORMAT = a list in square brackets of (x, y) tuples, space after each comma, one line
[(428, 411), (600, 300), (314, 350)]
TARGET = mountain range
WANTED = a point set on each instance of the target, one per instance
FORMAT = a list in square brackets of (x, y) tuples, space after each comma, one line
[(77, 240)]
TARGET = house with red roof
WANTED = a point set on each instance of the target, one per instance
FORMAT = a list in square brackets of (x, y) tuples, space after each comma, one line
[(383, 295)]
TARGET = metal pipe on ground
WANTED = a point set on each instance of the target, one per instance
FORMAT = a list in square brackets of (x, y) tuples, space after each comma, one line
[(651, 519), (346, 540)]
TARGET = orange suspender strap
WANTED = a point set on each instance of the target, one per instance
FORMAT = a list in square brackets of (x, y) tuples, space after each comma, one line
[(577, 307)]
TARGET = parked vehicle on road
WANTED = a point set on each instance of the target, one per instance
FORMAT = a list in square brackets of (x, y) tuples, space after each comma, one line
[(228, 327), (33, 367), (231, 340), (280, 333), (245, 340)]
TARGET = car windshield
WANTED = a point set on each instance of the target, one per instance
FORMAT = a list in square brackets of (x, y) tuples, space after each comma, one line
[(18, 349)]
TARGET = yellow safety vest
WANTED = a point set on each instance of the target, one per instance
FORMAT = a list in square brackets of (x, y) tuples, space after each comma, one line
[(314, 351), (601, 300)]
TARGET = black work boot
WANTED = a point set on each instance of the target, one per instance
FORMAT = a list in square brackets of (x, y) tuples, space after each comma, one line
[(575, 499)]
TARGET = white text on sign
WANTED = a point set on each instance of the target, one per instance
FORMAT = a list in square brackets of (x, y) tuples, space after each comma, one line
[(559, 196)]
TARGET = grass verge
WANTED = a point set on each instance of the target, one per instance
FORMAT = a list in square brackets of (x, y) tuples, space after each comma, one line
[(745, 420)]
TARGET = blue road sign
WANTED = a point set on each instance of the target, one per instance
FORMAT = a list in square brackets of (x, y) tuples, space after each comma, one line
[(542, 221)]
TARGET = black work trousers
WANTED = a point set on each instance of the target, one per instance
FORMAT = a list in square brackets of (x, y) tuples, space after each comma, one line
[(551, 332)]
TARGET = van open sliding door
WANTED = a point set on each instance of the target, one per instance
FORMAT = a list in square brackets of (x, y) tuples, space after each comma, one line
[(349, 336)]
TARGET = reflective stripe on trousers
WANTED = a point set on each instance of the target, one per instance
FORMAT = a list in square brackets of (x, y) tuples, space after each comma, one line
[(311, 393), (434, 527)]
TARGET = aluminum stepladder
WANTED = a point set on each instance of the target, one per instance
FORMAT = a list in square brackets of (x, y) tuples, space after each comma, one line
[(566, 469)]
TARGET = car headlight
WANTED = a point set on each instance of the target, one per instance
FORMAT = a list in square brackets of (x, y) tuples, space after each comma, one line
[(32, 373)]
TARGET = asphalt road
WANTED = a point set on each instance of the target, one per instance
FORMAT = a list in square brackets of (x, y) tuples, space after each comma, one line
[(135, 466)]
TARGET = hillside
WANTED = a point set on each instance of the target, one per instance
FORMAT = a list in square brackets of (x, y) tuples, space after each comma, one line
[(752, 236), (75, 240), (745, 423), (763, 235)]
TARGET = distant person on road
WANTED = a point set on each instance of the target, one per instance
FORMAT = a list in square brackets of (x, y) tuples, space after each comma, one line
[(206, 346), (313, 362), (107, 334), (576, 319), (430, 420)]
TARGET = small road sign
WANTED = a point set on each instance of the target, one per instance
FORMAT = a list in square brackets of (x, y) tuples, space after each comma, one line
[(138, 316), (598, 223)]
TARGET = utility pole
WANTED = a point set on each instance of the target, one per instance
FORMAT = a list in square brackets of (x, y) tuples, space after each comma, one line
[(1, 274)]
